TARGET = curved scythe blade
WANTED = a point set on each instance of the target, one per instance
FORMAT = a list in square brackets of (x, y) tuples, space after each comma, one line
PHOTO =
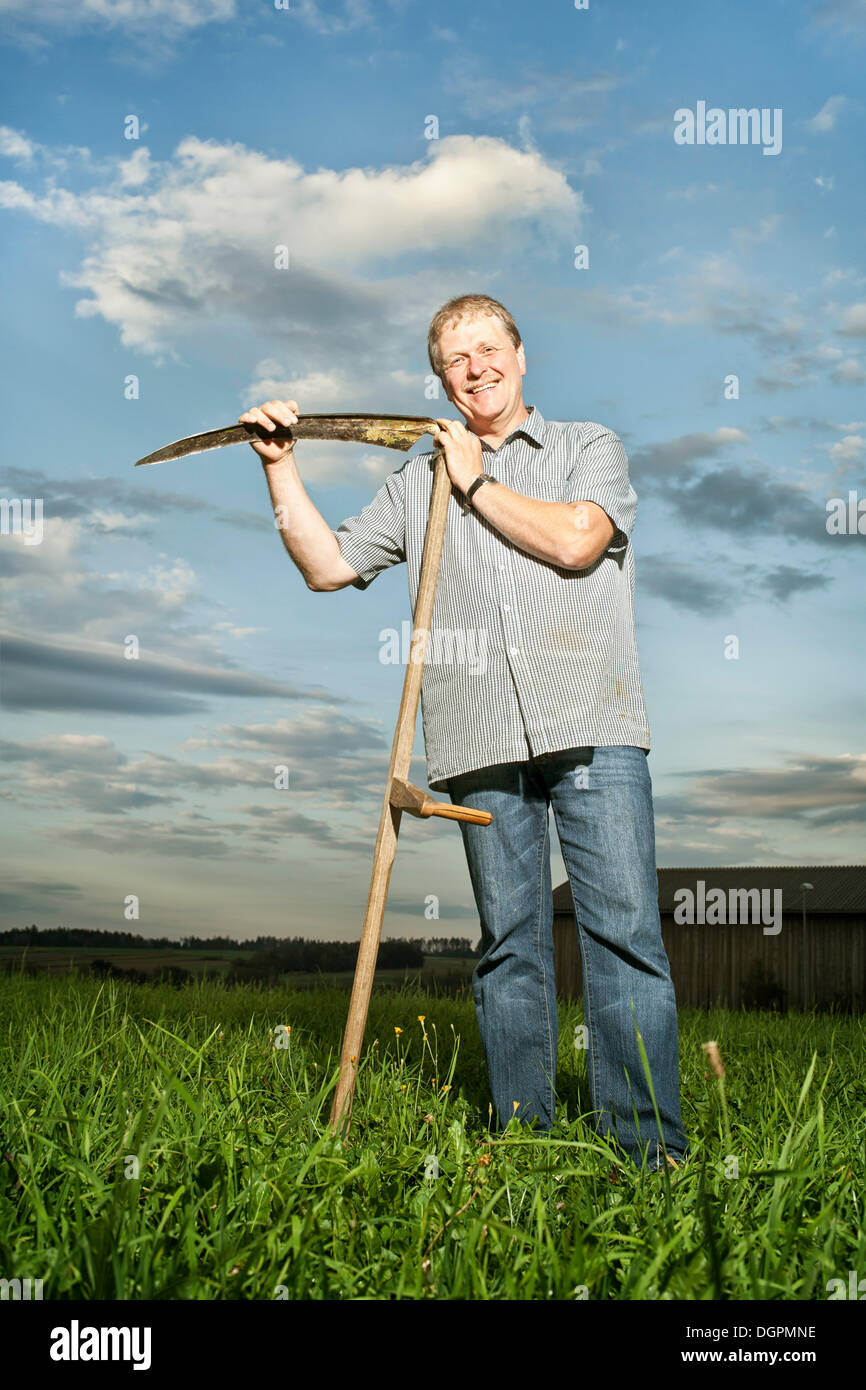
[(388, 431)]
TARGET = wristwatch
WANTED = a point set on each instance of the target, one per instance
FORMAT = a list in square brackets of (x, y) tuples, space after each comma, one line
[(473, 487)]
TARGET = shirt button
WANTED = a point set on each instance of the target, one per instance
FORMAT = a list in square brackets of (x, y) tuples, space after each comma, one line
[(507, 608), (501, 569), (515, 651)]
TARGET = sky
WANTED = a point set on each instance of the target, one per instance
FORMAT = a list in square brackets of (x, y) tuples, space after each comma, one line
[(154, 154)]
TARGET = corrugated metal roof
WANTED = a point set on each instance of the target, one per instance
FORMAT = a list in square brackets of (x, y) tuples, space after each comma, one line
[(835, 887)]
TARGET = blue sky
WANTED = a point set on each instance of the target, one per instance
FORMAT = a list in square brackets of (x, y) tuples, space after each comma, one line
[(154, 258)]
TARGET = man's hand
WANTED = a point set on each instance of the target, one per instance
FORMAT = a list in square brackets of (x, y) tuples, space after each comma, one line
[(571, 534), (271, 414), (462, 449)]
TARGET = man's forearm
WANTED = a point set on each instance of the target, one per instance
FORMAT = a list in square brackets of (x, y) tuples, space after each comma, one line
[(306, 534), (569, 534)]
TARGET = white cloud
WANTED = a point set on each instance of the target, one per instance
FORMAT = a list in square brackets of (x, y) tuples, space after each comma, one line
[(849, 373), (129, 14), (337, 18), (89, 770), (825, 119), (58, 206), (558, 99), (725, 434), (407, 380), (237, 632), (199, 245), (837, 275), (714, 289), (763, 230), (52, 563), (106, 522), (137, 169), (319, 391), (849, 448), (524, 130), (843, 16), (174, 584), (854, 321), (49, 588), (14, 145), (718, 290)]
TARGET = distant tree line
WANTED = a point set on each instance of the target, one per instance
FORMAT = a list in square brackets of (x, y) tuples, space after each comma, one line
[(303, 953), (77, 936)]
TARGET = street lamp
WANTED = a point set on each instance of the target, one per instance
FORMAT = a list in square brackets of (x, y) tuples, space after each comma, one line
[(803, 889)]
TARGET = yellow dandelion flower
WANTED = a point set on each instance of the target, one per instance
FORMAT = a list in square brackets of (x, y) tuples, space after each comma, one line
[(402, 1088), (515, 1103), (398, 1031), (446, 1088), (421, 1018)]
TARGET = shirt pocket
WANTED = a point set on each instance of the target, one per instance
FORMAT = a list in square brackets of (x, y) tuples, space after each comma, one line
[(546, 482)]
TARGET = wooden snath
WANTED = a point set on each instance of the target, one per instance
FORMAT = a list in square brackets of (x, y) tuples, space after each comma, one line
[(400, 796), (392, 432)]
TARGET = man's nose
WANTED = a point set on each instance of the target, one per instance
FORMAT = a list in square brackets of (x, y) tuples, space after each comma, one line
[(474, 365)]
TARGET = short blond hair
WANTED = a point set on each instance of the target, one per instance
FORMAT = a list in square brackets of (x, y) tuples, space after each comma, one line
[(466, 306)]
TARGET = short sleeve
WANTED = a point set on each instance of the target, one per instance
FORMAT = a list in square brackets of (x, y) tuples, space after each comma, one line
[(600, 475), (376, 539)]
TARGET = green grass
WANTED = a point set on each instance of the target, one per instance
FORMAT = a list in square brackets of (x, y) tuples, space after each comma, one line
[(242, 1192)]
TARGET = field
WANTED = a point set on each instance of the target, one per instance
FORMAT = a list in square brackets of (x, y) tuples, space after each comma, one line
[(63, 960), (66, 960), (173, 1144)]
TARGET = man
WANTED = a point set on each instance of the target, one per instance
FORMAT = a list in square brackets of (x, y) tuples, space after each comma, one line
[(537, 562)]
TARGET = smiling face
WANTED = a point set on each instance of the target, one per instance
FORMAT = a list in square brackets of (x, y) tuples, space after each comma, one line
[(483, 373)]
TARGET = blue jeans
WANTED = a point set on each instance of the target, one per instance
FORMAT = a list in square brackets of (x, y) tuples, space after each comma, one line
[(602, 803)]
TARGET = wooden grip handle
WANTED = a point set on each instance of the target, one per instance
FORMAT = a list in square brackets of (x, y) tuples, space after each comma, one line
[(461, 813), (420, 803)]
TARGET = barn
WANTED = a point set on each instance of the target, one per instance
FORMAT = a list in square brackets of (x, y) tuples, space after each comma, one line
[(760, 937)]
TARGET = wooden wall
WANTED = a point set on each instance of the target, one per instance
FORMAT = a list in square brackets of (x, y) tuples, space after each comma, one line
[(711, 964)]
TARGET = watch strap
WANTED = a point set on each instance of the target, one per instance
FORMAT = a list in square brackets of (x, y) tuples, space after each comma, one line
[(476, 484)]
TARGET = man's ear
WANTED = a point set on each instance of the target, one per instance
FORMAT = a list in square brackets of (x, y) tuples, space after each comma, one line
[(521, 360)]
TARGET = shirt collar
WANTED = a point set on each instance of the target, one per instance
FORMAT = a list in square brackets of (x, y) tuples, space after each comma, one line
[(532, 427)]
